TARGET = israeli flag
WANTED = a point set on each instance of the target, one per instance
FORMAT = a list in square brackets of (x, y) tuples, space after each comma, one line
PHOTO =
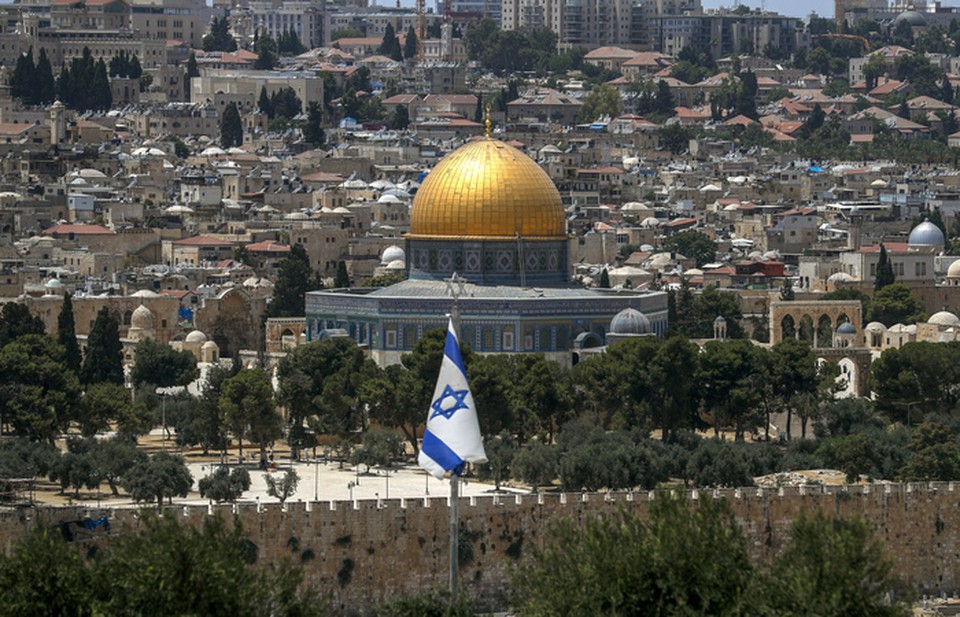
[(452, 437)]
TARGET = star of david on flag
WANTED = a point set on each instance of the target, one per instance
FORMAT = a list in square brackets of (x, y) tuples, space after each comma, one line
[(452, 437)]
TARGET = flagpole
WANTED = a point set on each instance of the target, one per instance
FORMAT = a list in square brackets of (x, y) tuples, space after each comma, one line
[(455, 285)]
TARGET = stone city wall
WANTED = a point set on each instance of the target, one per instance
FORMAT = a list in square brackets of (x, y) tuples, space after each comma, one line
[(365, 551)]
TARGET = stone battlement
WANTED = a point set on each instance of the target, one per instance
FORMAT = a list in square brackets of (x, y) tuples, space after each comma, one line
[(364, 551)]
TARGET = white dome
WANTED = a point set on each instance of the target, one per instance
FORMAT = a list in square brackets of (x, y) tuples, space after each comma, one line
[(954, 270), (396, 264), (840, 277), (142, 318), (392, 253), (875, 327), (196, 337), (145, 293), (209, 345), (650, 222), (53, 283), (944, 318), (389, 199)]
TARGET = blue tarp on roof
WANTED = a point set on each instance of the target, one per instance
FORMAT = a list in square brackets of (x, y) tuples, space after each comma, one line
[(816, 170)]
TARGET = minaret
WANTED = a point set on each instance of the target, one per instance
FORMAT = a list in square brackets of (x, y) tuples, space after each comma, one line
[(58, 123)]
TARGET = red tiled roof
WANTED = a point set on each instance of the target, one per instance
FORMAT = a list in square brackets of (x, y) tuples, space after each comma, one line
[(78, 230), (892, 247), (176, 293), (268, 246)]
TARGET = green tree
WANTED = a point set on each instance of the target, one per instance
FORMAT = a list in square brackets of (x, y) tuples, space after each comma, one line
[(603, 100), (283, 487), (693, 244), (294, 280), (16, 321), (219, 37), (873, 69), (833, 566), (410, 44), (319, 384), (162, 366), (202, 425), (399, 119), (884, 274), (794, 376), (342, 279), (114, 457), (934, 454), (45, 87), (731, 373), (248, 409), (387, 397), (224, 484), (45, 575), (37, 397), (103, 360), (162, 476), (263, 103), (895, 304), (390, 47), (67, 335), (681, 560), (313, 132), (101, 404), (231, 127)]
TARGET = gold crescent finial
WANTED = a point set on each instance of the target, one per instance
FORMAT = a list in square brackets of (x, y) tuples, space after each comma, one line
[(488, 123)]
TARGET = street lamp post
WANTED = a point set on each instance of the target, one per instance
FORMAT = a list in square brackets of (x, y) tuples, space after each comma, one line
[(350, 486), (316, 479)]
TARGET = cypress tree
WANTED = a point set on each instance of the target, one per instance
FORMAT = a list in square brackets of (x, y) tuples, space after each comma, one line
[(410, 44), (101, 97), (342, 279), (294, 280), (67, 335), (103, 362), (604, 279), (46, 89), (885, 274), (231, 127), (265, 104)]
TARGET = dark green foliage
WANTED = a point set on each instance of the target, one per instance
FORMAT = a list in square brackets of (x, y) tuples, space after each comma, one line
[(380, 448), (832, 566), (219, 37), (342, 279), (126, 65), (33, 84), (693, 315), (103, 360), (390, 47), (105, 402), (45, 576), (67, 335), (893, 304), (720, 464), (84, 85), (16, 321), (500, 451), (162, 476), (248, 409), (604, 279), (162, 366), (38, 398), (289, 43), (320, 387), (851, 294), (694, 244), (267, 54), (884, 274), (224, 484), (192, 69), (917, 379), (508, 51), (313, 132), (22, 458), (682, 561), (201, 425), (294, 280), (283, 487), (536, 464), (231, 127), (592, 459), (934, 454), (410, 44)]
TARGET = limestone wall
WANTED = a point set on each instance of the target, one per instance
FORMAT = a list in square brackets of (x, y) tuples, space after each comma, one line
[(366, 551)]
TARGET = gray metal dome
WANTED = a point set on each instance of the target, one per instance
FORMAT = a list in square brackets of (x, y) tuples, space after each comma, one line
[(915, 19), (846, 328), (629, 321), (926, 234)]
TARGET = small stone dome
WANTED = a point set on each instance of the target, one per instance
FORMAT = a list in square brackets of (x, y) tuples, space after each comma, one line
[(629, 321), (196, 337), (846, 328), (142, 318), (396, 264), (944, 318), (840, 277), (953, 271), (876, 327), (926, 234), (209, 345), (145, 293), (392, 253), (53, 283)]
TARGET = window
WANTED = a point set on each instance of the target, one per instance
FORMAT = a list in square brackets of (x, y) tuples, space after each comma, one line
[(508, 340), (391, 338)]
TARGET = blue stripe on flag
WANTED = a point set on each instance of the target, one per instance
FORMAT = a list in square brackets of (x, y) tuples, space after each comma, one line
[(440, 452), (452, 350)]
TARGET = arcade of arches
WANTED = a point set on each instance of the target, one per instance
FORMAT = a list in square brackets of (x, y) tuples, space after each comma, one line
[(824, 324)]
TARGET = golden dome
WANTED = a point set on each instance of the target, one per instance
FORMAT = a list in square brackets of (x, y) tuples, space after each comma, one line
[(487, 189)]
